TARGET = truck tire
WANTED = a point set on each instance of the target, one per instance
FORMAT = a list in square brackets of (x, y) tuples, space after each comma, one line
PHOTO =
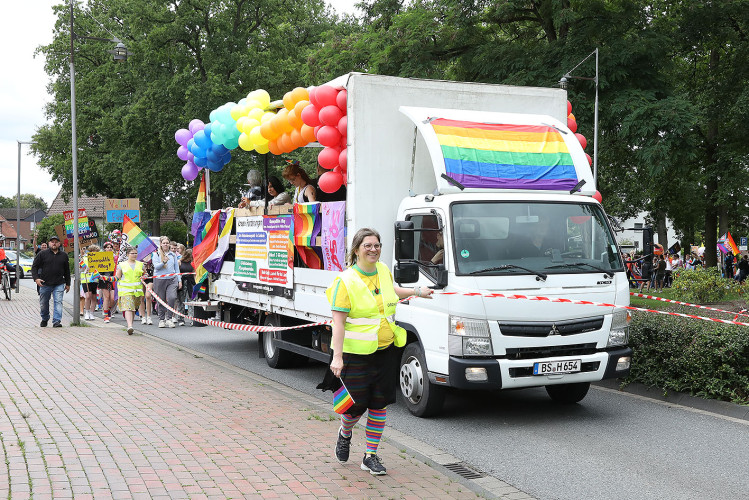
[(421, 397), (275, 357), (568, 393)]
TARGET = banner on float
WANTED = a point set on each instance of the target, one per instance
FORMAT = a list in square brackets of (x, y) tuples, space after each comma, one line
[(116, 210), (102, 262), (262, 261), (333, 235)]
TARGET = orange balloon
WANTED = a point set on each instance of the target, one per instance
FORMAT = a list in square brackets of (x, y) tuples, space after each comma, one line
[(288, 101), (308, 133), (274, 148), (571, 116), (299, 107), (294, 119), (296, 139), (284, 142), (267, 131), (299, 94)]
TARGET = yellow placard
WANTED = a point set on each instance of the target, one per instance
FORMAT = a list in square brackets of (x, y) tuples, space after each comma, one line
[(101, 261), (252, 252)]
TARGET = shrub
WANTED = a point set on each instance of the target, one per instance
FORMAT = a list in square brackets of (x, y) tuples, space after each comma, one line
[(702, 285), (704, 359)]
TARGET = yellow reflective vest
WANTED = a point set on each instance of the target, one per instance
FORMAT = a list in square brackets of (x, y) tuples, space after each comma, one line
[(364, 318), (130, 283)]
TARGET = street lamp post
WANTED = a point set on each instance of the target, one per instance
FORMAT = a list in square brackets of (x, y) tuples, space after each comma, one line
[(18, 218), (563, 83), (120, 54)]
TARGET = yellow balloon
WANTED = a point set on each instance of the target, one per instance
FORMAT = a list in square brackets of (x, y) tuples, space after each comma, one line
[(257, 137), (253, 103), (245, 142), (256, 114), (262, 148), (263, 97), (236, 111), (267, 116), (249, 124), (240, 123)]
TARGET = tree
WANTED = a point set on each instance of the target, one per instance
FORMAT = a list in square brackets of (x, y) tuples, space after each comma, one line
[(176, 231), (27, 201), (46, 227)]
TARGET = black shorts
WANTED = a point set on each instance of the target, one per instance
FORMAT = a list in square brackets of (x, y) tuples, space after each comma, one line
[(89, 287), (371, 379)]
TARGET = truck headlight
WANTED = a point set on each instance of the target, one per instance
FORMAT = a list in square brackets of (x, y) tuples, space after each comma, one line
[(469, 337), (619, 333)]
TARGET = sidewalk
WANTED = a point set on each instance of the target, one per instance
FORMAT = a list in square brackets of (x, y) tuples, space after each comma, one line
[(90, 412)]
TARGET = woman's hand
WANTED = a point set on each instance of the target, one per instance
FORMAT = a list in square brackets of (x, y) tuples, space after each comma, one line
[(336, 366), (423, 291)]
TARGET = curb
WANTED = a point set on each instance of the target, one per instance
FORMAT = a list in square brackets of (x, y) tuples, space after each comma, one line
[(484, 485)]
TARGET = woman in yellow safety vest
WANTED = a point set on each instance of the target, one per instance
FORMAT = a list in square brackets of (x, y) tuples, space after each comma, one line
[(129, 287), (366, 341)]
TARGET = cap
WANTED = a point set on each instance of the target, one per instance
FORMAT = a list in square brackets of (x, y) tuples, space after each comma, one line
[(54, 237)]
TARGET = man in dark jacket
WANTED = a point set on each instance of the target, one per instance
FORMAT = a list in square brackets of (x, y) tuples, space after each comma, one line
[(51, 272)]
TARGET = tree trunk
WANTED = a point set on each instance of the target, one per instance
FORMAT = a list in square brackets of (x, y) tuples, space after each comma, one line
[(722, 220), (711, 174), (661, 229)]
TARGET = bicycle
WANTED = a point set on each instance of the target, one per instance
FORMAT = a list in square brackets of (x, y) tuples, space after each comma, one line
[(5, 279)]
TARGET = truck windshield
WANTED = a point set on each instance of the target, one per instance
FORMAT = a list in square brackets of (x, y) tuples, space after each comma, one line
[(532, 238)]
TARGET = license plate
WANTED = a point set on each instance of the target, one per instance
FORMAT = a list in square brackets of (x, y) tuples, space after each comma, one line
[(552, 367)]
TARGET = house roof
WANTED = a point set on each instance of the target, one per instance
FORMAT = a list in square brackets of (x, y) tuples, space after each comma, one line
[(26, 213), (94, 205), (6, 229)]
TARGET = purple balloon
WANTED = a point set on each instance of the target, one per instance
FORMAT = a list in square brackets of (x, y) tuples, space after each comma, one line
[(189, 171), (182, 153), (182, 136), (196, 125), (190, 157)]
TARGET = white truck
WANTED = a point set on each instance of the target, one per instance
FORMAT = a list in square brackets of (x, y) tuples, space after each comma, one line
[(474, 189)]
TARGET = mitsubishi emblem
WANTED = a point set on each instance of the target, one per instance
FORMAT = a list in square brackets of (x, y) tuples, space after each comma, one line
[(554, 330)]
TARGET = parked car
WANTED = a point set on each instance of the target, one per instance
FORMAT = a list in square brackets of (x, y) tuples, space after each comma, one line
[(26, 261)]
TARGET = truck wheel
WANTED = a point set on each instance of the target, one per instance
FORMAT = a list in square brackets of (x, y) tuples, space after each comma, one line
[(568, 393), (422, 398), (275, 357)]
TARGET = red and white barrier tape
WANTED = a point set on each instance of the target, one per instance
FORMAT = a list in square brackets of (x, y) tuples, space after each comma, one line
[(662, 299), (114, 279)]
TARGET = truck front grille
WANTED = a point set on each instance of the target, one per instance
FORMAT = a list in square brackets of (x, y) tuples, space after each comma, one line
[(569, 327), (551, 351)]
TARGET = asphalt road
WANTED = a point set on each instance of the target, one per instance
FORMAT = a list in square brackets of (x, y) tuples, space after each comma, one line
[(610, 446)]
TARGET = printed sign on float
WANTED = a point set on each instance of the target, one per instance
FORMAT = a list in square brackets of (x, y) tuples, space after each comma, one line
[(116, 210), (262, 253)]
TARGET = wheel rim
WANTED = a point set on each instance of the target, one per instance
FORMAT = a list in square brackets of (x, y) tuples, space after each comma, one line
[(412, 380), (270, 349)]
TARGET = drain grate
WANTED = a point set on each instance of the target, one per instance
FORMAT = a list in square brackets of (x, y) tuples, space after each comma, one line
[(463, 470)]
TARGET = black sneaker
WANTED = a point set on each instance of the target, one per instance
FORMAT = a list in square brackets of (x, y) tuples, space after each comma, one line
[(57, 325), (43, 323), (342, 447), (372, 463)]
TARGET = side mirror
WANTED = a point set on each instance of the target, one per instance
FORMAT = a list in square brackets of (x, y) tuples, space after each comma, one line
[(404, 242), (406, 272)]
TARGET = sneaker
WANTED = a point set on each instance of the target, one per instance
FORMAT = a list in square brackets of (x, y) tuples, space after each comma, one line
[(130, 331), (106, 319), (162, 323), (372, 463), (180, 323), (91, 316), (143, 320), (43, 323), (57, 325), (149, 321), (342, 447), (170, 323)]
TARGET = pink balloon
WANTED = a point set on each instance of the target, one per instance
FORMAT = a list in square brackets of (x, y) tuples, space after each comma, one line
[(340, 99), (343, 125), (569, 107), (583, 140), (328, 136), (597, 196), (182, 136), (189, 171), (590, 160), (330, 115), (572, 124), (343, 159), (312, 97), (182, 153), (330, 182), (342, 144), (325, 96), (328, 158), (310, 115)]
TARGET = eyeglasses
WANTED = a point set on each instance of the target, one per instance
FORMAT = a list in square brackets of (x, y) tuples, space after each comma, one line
[(372, 246)]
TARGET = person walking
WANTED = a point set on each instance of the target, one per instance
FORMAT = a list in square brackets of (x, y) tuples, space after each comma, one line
[(188, 281), (165, 262), (129, 287), (89, 285), (660, 274), (106, 287), (51, 272), (366, 342)]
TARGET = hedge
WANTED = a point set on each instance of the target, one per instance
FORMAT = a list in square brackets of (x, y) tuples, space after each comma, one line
[(704, 359)]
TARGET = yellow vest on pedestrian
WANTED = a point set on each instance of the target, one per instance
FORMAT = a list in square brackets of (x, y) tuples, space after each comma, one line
[(130, 283), (364, 318), (85, 272)]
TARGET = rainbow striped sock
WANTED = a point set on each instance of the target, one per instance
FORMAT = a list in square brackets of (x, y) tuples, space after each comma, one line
[(375, 426), (347, 424)]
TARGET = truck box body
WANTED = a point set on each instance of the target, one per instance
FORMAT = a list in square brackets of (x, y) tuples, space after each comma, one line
[(392, 178)]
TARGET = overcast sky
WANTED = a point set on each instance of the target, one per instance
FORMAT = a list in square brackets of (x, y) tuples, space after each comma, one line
[(23, 92)]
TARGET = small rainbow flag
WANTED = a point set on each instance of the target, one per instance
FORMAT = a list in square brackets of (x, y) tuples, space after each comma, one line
[(199, 207), (137, 238), (307, 227), (505, 156), (342, 400), (731, 245)]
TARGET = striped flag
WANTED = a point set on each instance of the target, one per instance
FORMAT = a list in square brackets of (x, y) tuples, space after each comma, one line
[(199, 207), (342, 400), (731, 245), (204, 249), (137, 238), (307, 227), (507, 156), (214, 261)]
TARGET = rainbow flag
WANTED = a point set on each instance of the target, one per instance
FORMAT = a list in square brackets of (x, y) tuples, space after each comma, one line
[(730, 244), (137, 238), (307, 227), (506, 156), (204, 249), (342, 400), (199, 207)]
